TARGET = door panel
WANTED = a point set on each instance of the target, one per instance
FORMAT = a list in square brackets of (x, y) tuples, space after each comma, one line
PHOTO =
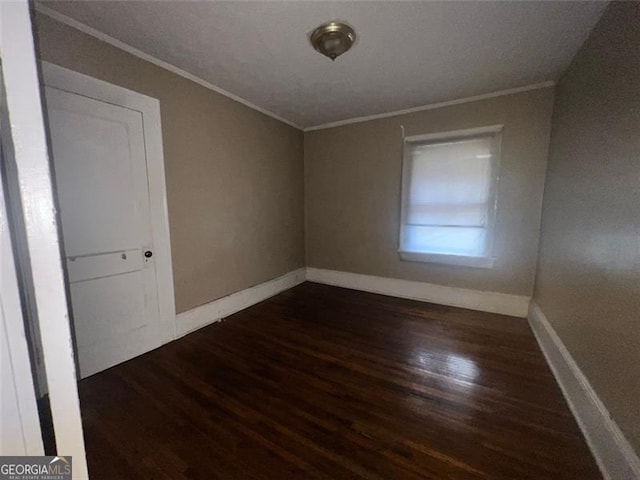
[(104, 264), (101, 177), (108, 307), (99, 161), (111, 323)]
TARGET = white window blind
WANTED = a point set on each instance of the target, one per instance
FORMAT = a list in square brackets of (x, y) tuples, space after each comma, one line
[(449, 198)]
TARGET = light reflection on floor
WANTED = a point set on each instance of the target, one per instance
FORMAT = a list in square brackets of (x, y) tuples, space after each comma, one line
[(454, 367), (444, 374)]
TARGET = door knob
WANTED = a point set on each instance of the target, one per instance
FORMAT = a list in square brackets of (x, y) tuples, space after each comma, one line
[(148, 254)]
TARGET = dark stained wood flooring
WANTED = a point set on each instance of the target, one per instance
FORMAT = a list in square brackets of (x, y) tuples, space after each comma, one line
[(323, 382)]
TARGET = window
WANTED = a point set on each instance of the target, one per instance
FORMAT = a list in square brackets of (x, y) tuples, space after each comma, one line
[(449, 197)]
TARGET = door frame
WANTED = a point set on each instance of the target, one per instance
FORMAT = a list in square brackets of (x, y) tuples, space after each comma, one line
[(35, 188), (70, 81), (13, 338)]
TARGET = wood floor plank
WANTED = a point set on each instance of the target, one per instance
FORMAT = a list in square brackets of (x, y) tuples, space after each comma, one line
[(328, 383)]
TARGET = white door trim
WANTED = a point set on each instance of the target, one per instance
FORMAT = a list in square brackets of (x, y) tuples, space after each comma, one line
[(12, 331), (74, 82), (24, 103)]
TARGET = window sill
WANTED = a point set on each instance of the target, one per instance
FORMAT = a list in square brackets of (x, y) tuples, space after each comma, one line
[(461, 260)]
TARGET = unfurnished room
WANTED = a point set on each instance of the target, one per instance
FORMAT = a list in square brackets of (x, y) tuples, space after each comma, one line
[(376, 240)]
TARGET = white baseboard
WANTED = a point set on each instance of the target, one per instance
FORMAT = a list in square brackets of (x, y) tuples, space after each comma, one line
[(223, 307), (612, 451), (493, 302)]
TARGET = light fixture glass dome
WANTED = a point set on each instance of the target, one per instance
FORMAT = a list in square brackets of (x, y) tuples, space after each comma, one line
[(332, 39)]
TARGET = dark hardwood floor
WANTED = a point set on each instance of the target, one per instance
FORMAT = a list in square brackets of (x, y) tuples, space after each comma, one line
[(323, 382)]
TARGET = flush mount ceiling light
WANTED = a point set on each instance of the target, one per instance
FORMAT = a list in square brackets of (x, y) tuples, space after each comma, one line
[(332, 39)]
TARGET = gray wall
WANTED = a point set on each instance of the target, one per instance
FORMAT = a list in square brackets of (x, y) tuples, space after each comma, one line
[(234, 176), (352, 190), (588, 282)]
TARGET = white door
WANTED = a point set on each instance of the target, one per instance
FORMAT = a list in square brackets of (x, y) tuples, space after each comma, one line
[(101, 176)]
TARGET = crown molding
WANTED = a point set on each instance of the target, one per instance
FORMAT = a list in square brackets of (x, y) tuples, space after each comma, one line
[(62, 18), (448, 103)]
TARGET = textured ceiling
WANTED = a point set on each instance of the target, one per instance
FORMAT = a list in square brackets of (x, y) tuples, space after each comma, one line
[(407, 54)]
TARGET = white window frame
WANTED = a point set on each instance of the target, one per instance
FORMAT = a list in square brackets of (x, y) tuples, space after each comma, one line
[(486, 261)]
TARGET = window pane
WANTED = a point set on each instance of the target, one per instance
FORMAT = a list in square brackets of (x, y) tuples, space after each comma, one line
[(470, 241), (449, 202), (468, 215), (450, 183)]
